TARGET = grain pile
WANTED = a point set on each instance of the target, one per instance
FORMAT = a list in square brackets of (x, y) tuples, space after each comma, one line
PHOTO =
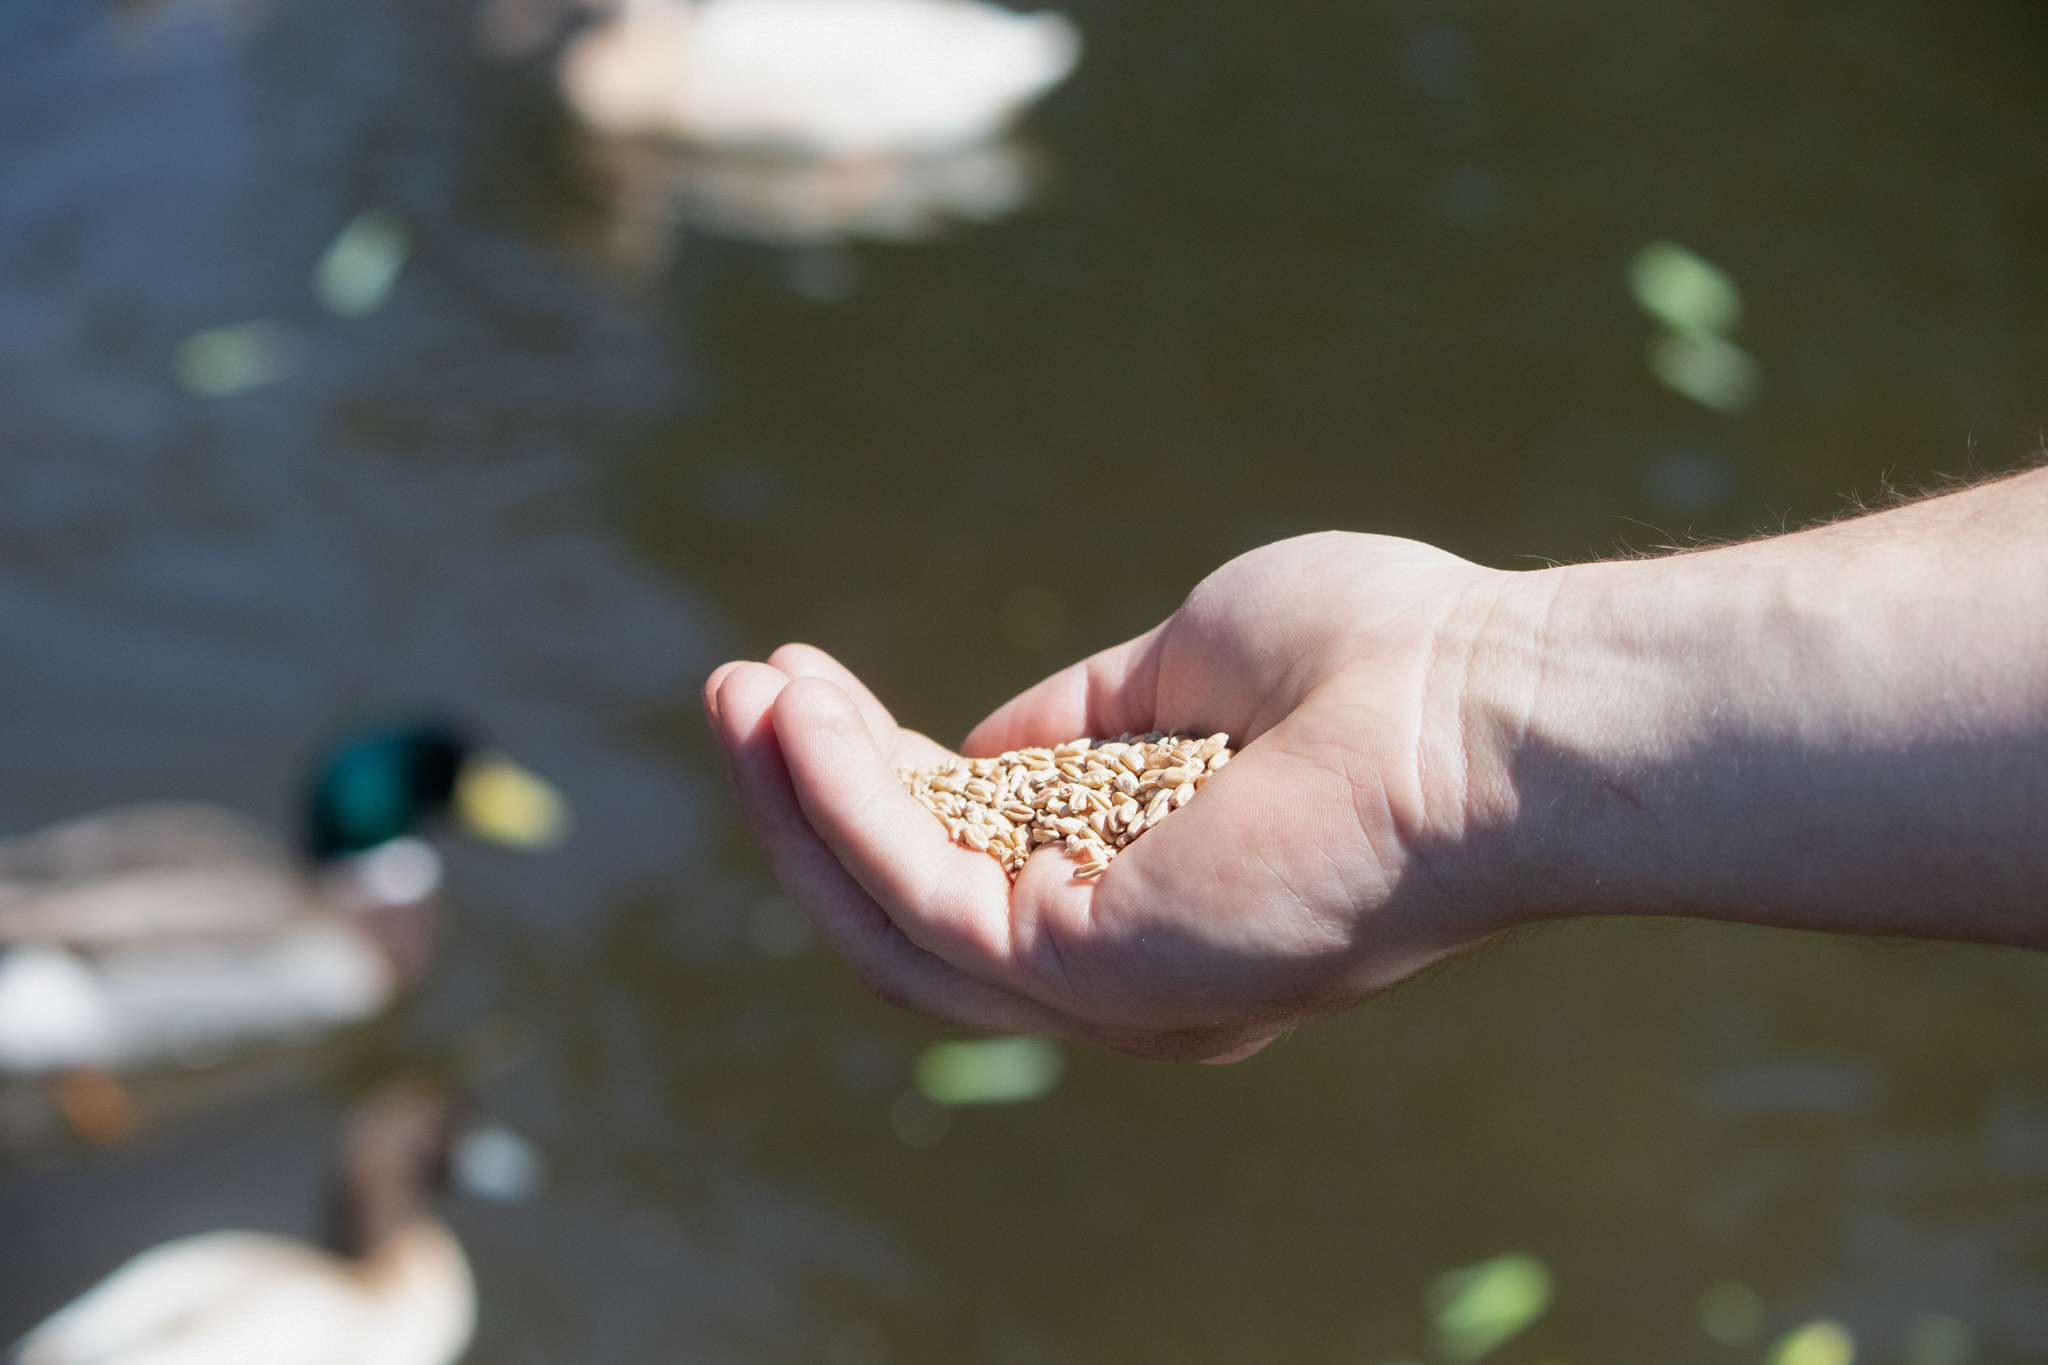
[(1093, 799)]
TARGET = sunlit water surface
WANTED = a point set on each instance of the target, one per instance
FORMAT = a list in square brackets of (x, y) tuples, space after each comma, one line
[(1289, 266)]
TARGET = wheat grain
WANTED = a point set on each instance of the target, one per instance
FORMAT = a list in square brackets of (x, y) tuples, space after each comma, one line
[(1090, 799)]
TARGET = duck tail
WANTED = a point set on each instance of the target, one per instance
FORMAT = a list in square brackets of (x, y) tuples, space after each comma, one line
[(1058, 44)]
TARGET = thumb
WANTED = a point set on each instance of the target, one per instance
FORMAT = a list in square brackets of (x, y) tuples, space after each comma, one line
[(1107, 693)]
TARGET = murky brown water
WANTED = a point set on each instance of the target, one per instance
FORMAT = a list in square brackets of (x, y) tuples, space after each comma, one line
[(1293, 265)]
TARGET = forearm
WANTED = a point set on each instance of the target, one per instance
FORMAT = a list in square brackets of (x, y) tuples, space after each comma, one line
[(1842, 729)]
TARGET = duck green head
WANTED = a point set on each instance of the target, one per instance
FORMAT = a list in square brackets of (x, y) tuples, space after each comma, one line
[(386, 784)]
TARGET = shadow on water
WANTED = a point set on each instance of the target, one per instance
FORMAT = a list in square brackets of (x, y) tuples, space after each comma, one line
[(1288, 266)]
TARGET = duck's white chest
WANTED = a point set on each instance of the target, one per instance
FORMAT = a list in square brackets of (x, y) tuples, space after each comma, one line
[(53, 1011), (246, 1299)]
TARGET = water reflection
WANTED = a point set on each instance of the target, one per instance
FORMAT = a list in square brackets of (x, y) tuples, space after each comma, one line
[(650, 191)]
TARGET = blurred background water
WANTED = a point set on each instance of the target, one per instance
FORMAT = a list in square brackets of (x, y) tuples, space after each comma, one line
[(1283, 266)]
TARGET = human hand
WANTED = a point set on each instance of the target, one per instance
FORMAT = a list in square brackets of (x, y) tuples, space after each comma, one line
[(1844, 729), (1320, 866)]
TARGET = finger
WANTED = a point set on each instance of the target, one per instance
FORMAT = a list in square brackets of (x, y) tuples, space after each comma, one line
[(1131, 980), (711, 686), (947, 899), (1249, 874), (808, 661), (1199, 888), (891, 965), (905, 748), (1107, 693), (1054, 944)]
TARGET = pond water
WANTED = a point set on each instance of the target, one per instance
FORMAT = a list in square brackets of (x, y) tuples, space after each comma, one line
[(1287, 266)]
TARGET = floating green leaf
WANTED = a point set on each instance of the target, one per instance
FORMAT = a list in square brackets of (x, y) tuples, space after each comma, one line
[(220, 361), (360, 265), (1478, 1307), (989, 1071), (1938, 1339), (1684, 291), (1706, 369), (1732, 1314), (1817, 1343)]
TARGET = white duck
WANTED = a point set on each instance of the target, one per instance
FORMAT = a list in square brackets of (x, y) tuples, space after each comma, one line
[(826, 78), (397, 1290)]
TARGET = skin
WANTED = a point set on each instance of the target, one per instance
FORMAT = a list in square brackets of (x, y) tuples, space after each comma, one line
[(1844, 729)]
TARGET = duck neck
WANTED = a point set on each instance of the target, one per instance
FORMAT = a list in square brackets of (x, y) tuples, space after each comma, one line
[(370, 1207), (392, 1161)]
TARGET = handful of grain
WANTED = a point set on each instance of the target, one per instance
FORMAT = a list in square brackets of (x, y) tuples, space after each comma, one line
[(1092, 798)]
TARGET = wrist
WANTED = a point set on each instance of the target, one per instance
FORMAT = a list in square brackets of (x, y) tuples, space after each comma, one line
[(1604, 686), (1489, 698), (1795, 732), (1630, 722)]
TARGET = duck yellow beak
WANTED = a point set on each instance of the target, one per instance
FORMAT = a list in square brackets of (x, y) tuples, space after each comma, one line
[(498, 800)]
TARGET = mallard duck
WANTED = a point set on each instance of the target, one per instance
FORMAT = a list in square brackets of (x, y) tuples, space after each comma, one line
[(826, 78), (167, 932), (394, 1288)]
